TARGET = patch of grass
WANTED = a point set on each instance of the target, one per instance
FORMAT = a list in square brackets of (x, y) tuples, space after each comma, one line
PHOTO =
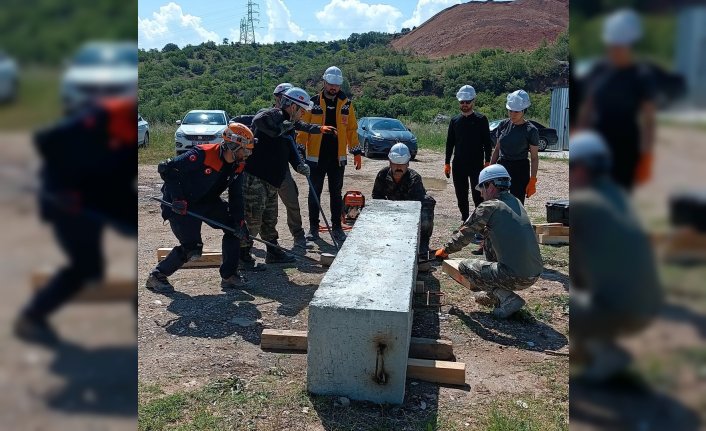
[(38, 102), (159, 413), (430, 136), (540, 311), (161, 144), (557, 257), (539, 415)]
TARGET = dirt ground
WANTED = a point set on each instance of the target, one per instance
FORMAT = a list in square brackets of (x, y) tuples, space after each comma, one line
[(201, 336)]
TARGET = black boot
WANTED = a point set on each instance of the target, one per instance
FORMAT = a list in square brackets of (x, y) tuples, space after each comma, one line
[(275, 255), (247, 262)]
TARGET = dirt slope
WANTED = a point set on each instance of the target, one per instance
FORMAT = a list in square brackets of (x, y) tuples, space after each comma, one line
[(513, 26)]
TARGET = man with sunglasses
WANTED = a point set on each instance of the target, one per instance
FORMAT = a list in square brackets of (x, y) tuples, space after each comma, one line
[(512, 258), (194, 181), (468, 141)]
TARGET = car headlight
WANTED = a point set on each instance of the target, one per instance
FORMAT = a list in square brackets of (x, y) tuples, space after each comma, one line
[(413, 139), (377, 138), (179, 134)]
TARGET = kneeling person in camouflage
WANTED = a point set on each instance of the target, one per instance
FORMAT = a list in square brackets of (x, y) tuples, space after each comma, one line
[(512, 258)]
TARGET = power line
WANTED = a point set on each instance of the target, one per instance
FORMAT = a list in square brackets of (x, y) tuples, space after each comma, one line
[(247, 24)]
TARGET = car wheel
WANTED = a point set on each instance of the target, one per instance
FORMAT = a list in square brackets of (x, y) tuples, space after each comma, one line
[(366, 149), (543, 143), (146, 140)]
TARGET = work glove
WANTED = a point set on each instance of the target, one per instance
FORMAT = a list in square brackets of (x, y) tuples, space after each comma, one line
[(243, 231), (441, 254), (179, 206), (357, 161), (329, 130), (531, 187), (304, 169), (447, 170), (643, 172)]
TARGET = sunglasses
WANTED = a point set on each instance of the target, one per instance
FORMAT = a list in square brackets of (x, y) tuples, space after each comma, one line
[(465, 102)]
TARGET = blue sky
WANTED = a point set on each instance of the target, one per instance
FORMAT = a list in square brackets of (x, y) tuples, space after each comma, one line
[(195, 21)]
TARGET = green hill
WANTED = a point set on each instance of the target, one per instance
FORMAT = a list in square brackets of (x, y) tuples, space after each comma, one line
[(240, 78)]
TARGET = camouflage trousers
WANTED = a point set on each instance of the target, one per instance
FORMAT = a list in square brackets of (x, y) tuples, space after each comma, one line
[(488, 274), (260, 198)]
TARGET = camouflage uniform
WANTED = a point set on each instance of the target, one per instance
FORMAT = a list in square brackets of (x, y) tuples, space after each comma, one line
[(410, 188), (260, 209), (512, 258)]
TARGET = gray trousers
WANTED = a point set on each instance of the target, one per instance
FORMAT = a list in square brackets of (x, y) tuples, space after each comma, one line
[(289, 194)]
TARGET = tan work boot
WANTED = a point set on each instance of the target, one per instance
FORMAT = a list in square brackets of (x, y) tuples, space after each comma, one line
[(486, 299), (510, 303)]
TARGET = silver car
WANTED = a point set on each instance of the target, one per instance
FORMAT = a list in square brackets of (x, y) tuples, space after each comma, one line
[(200, 127), (143, 132), (8, 78)]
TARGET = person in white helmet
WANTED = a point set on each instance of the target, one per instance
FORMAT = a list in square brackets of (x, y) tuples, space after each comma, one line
[(611, 296), (512, 257), (619, 100), (289, 192), (469, 143), (517, 146), (397, 182), (327, 154)]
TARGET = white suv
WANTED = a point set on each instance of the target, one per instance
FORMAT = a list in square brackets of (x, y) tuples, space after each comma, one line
[(99, 69), (200, 127)]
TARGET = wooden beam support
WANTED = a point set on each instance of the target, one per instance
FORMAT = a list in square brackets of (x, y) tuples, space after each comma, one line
[(109, 290), (450, 267), (452, 373), (552, 240), (208, 259), (552, 229), (276, 339)]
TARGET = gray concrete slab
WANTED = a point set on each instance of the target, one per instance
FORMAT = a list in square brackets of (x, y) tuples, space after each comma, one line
[(360, 319)]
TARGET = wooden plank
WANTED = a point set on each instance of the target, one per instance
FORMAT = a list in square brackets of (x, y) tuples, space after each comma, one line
[(452, 373), (110, 290), (429, 348), (208, 259), (450, 267), (287, 339), (552, 230), (283, 340), (552, 240)]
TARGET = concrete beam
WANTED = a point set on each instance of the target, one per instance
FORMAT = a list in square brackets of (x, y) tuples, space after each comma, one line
[(360, 319)]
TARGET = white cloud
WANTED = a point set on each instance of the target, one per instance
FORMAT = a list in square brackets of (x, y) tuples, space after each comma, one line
[(170, 24), (280, 26), (353, 16), (426, 9)]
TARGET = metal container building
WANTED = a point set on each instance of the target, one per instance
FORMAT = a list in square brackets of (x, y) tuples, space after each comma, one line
[(559, 117), (691, 52)]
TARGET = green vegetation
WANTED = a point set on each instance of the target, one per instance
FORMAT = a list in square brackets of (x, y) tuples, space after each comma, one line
[(37, 102), (239, 78)]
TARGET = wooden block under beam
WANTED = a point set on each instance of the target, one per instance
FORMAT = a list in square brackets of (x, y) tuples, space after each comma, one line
[(110, 290), (553, 230), (283, 340), (552, 240), (452, 373), (450, 267), (208, 259), (429, 348)]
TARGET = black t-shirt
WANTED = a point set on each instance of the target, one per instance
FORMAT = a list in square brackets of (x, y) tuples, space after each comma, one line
[(515, 140), (329, 142)]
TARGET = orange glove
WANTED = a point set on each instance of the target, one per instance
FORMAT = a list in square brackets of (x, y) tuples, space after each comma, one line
[(357, 161), (447, 170), (441, 254), (486, 164), (643, 172), (531, 186), (329, 130)]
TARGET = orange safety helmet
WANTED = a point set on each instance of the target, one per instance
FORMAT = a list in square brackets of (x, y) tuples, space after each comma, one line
[(238, 135)]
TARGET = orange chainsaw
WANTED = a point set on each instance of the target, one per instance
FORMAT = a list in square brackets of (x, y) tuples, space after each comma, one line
[(353, 203)]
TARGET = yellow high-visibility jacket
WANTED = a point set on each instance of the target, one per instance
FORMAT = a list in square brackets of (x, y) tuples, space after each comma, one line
[(346, 124)]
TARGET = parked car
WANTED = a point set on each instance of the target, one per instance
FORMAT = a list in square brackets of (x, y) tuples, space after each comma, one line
[(378, 134), (200, 127), (99, 69), (547, 136), (143, 132), (8, 78)]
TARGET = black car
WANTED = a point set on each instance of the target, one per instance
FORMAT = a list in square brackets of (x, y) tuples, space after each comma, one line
[(547, 136), (378, 134)]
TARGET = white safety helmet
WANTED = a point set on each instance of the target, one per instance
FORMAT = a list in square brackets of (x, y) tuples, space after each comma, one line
[(622, 28), (466, 93), (518, 101), (495, 173), (297, 96), (281, 88), (589, 148), (333, 76), (399, 154)]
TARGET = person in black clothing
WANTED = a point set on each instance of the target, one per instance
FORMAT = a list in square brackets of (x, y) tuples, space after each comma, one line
[(266, 171), (399, 183), (87, 184), (194, 181), (468, 141), (619, 101), (288, 192), (517, 139)]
